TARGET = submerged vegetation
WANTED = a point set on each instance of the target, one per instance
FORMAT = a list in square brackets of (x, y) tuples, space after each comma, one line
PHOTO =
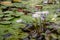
[(29, 20)]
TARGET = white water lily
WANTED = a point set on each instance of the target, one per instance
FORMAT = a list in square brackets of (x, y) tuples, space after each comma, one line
[(45, 12), (57, 1), (53, 19), (41, 14), (45, 1), (42, 18), (20, 20), (35, 15), (55, 15)]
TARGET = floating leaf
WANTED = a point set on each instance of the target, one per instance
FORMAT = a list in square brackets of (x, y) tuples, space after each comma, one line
[(5, 22)]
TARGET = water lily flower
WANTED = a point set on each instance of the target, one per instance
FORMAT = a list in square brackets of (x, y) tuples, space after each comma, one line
[(41, 14), (55, 15), (20, 20), (45, 1), (53, 18), (43, 18), (44, 13), (57, 1), (35, 15)]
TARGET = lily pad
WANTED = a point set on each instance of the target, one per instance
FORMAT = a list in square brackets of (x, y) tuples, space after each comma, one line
[(11, 12), (7, 3), (8, 18), (5, 22), (18, 14), (1, 16)]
